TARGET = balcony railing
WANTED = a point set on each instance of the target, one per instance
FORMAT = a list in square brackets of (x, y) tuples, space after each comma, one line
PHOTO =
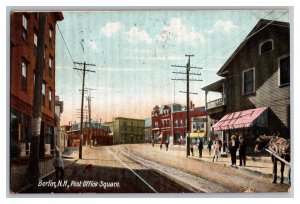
[(215, 103)]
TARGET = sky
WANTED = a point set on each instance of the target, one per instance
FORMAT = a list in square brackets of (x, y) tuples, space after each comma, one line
[(133, 52)]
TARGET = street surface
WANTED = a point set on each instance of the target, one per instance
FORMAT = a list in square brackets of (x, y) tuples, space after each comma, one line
[(141, 168)]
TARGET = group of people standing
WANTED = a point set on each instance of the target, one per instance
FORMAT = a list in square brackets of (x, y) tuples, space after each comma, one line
[(200, 148), (235, 144)]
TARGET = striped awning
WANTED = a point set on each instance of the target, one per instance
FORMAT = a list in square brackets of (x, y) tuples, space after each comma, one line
[(242, 119)]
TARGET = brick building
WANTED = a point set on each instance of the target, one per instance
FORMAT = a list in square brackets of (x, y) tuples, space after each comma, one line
[(169, 121), (98, 134), (23, 47)]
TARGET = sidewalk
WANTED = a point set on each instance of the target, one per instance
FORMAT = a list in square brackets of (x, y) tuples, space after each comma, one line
[(261, 165), (18, 181)]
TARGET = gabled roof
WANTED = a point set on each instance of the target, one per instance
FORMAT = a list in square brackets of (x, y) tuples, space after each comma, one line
[(262, 23)]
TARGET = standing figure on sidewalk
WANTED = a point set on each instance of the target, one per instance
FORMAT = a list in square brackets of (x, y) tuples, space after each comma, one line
[(233, 146), (216, 148), (58, 165), (242, 151), (220, 143), (192, 148), (200, 147), (160, 146), (209, 144), (167, 144)]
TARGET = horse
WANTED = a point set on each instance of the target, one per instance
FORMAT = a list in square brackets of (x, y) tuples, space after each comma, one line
[(278, 145)]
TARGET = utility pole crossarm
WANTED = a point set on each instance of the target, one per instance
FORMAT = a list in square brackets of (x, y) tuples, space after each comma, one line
[(188, 67), (84, 70), (87, 70), (83, 63)]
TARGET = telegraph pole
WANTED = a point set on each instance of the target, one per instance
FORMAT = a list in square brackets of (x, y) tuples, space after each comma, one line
[(89, 99), (84, 70), (33, 171), (187, 73)]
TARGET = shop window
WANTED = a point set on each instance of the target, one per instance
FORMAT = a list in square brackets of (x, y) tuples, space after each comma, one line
[(14, 131), (49, 139)]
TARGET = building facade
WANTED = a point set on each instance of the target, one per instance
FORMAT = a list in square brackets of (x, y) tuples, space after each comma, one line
[(97, 135), (148, 130), (24, 32), (127, 130), (255, 76), (61, 138), (169, 122)]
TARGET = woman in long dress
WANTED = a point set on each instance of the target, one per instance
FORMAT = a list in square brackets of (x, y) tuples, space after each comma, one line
[(216, 148)]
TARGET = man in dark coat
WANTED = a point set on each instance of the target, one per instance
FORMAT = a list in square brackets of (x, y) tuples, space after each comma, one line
[(242, 151), (209, 144), (200, 147), (233, 146)]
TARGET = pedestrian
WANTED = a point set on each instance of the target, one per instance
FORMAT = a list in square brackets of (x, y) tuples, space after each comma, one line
[(233, 146), (160, 146), (200, 147), (192, 148), (216, 148), (152, 140), (242, 151), (209, 144), (58, 165), (220, 143), (167, 144)]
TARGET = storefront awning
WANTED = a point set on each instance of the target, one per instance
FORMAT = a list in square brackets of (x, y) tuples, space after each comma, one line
[(196, 134), (243, 119)]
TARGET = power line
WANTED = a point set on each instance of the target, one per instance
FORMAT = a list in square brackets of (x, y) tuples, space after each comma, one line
[(188, 67), (65, 43)]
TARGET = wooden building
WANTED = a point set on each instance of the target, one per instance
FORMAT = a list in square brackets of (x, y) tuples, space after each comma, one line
[(127, 130), (256, 75)]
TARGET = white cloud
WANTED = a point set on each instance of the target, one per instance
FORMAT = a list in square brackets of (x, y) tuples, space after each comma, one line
[(222, 26), (136, 35), (180, 32), (111, 28), (92, 44)]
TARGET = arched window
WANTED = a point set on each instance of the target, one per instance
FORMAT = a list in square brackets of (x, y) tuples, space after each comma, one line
[(266, 46)]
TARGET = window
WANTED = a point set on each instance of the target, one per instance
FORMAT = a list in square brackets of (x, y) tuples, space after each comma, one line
[(50, 66), (248, 81), (162, 123), (284, 70), (50, 100), (156, 124), (24, 27), (35, 44), (266, 46), (49, 139), (24, 77), (43, 93), (181, 123), (50, 36), (176, 123)]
